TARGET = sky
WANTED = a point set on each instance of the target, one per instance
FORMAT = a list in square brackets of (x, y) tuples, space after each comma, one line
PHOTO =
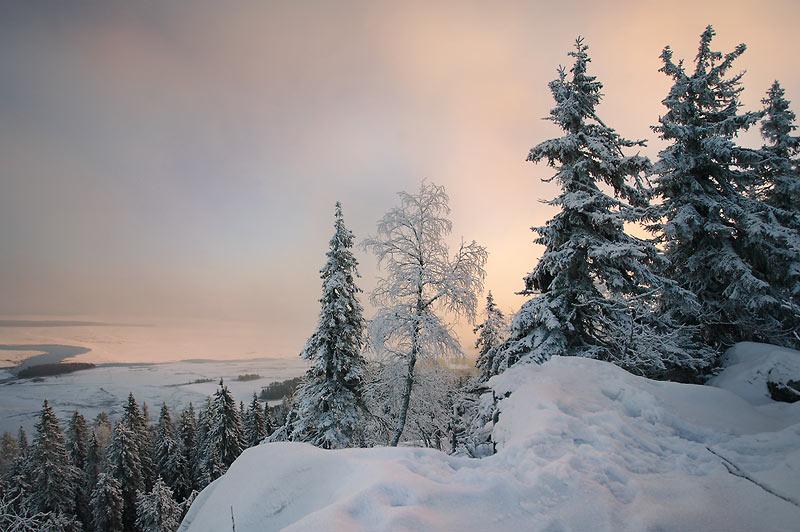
[(182, 158)]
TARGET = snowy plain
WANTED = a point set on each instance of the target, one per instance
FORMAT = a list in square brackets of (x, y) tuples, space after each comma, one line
[(106, 387), (582, 445), (158, 362)]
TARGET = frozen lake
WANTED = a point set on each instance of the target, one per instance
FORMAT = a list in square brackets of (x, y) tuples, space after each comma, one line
[(158, 362), (106, 387)]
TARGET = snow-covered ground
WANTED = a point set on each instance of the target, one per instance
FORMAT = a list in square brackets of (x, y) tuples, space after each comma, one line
[(107, 387), (582, 445)]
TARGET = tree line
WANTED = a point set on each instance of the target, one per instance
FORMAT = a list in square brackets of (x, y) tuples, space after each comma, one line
[(129, 475)]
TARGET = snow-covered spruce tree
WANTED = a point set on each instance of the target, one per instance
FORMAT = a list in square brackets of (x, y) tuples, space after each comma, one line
[(93, 465), (22, 442), (107, 504), (254, 424), (124, 464), (147, 443), (202, 451), (137, 422), (329, 399), (21, 463), (782, 166), (77, 439), (53, 477), (9, 450), (18, 477), (169, 459), (423, 282), (718, 238), (77, 447), (187, 428), (157, 510), (268, 421), (103, 430), (491, 332), (780, 174), (224, 440), (596, 286)]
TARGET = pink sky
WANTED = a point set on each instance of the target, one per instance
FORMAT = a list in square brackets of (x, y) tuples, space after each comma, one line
[(181, 159)]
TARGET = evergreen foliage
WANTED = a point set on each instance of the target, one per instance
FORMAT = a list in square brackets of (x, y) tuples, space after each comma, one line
[(192, 473), (329, 398), (94, 464), (720, 240), (137, 423), (255, 428), (157, 510), (597, 288), (780, 190), (77, 446), (491, 332), (124, 464), (52, 477), (781, 168), (169, 457), (224, 439), (107, 504)]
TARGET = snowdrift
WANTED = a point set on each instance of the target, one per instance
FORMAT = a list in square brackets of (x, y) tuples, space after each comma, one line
[(582, 445)]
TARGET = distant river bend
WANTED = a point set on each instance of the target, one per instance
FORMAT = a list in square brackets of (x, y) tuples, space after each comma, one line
[(49, 354)]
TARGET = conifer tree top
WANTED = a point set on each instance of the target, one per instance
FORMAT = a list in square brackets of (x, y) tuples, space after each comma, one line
[(590, 150), (778, 124)]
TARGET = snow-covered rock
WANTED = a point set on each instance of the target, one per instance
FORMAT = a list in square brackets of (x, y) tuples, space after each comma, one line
[(751, 367), (582, 445)]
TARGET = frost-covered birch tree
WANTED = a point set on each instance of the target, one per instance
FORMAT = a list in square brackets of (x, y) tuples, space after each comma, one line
[(329, 401), (423, 283), (596, 287)]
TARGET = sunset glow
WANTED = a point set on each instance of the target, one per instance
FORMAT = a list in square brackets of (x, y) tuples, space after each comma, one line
[(182, 159)]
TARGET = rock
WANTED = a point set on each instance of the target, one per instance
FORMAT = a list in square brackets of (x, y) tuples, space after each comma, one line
[(787, 392)]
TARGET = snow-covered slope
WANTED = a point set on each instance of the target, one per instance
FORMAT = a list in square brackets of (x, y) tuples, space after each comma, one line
[(582, 445)]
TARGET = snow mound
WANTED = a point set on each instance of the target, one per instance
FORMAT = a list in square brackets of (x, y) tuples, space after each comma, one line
[(750, 366), (582, 445)]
